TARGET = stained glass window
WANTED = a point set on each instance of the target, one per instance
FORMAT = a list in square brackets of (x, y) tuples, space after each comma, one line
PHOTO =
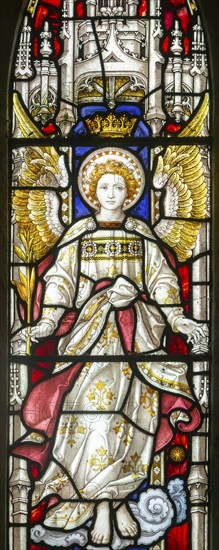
[(110, 274)]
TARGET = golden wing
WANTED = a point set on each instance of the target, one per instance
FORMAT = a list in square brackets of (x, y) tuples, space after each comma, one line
[(39, 228), (26, 124), (36, 210), (181, 173)]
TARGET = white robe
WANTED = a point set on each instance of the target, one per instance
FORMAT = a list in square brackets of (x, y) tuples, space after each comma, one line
[(106, 431)]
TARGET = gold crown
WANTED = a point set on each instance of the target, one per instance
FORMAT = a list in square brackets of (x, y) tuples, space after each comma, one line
[(111, 125)]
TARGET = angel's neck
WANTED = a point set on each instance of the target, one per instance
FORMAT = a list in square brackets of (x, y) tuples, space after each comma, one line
[(105, 215)]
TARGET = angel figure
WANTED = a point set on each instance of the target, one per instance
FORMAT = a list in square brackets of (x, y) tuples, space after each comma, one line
[(110, 291)]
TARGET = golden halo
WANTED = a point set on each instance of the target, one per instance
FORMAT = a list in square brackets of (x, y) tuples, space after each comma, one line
[(110, 155)]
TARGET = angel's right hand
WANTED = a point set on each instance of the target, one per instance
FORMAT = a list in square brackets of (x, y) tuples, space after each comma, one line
[(42, 330), (20, 339)]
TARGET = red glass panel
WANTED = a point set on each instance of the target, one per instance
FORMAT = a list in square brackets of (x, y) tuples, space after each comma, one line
[(168, 19), (184, 278), (176, 3), (184, 17), (174, 468), (143, 8), (173, 128), (34, 471), (178, 538), (176, 345), (41, 15), (36, 47), (80, 9), (186, 44), (52, 15), (50, 128), (46, 349), (166, 44), (176, 9), (38, 513), (55, 3)]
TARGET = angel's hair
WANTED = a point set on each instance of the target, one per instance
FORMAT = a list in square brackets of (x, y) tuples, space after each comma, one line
[(119, 169)]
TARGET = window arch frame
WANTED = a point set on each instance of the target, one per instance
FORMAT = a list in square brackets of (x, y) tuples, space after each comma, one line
[(9, 26)]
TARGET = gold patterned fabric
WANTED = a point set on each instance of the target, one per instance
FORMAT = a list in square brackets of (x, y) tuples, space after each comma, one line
[(109, 418), (101, 248)]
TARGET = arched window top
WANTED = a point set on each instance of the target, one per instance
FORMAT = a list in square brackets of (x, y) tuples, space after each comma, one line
[(110, 274), (148, 58)]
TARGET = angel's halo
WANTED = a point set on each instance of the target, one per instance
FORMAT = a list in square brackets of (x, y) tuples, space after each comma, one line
[(102, 156)]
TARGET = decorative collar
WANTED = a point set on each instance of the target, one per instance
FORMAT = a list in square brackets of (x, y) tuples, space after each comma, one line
[(110, 224)]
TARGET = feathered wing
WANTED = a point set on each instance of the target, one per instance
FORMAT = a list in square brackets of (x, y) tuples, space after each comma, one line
[(37, 216), (36, 210), (180, 172)]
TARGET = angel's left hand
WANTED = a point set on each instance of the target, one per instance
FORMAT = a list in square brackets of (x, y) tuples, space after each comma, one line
[(197, 333)]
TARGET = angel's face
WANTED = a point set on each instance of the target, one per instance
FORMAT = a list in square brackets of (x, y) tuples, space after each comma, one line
[(111, 191)]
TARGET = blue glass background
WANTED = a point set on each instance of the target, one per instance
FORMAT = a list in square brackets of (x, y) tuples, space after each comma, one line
[(142, 209)]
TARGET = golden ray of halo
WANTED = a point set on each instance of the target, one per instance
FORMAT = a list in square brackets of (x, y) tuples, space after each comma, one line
[(101, 156)]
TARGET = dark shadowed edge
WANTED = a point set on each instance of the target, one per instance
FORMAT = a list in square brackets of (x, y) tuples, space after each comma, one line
[(10, 16)]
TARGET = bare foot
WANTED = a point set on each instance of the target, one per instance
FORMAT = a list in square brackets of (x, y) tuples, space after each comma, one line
[(101, 531), (127, 526)]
